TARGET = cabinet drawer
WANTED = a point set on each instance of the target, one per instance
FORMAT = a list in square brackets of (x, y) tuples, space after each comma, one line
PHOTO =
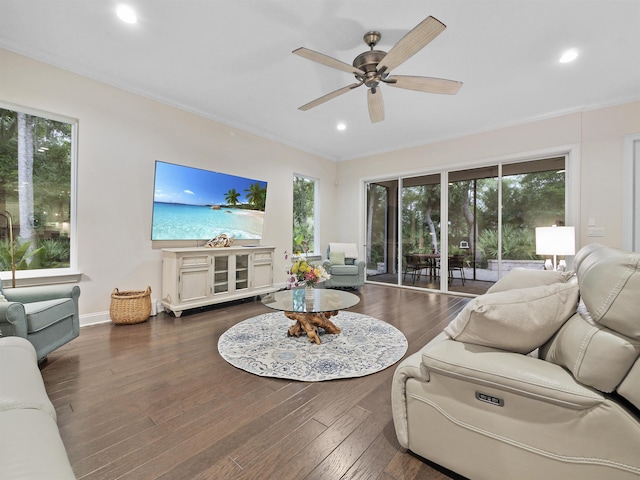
[(192, 261), (262, 257)]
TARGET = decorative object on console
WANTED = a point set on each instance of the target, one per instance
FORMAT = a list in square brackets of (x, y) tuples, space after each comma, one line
[(260, 345), (555, 241), (222, 240)]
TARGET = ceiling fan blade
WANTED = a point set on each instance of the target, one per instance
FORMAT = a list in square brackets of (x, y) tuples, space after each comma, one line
[(411, 43), (376, 106), (424, 84), (327, 60), (328, 96)]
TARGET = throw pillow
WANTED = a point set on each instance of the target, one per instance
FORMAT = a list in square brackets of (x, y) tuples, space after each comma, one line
[(525, 278), (518, 320), (336, 258)]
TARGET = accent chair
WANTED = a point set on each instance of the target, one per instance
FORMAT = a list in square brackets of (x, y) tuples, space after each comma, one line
[(343, 265), (47, 315)]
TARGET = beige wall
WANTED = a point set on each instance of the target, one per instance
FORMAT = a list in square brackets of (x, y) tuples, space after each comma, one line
[(122, 134), (120, 137), (595, 137)]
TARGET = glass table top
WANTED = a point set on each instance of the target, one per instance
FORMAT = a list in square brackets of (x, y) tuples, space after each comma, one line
[(324, 300)]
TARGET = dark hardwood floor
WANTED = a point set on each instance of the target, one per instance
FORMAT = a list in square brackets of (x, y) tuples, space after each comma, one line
[(156, 400)]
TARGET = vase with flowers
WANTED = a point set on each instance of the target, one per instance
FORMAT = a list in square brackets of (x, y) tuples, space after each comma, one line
[(305, 274)]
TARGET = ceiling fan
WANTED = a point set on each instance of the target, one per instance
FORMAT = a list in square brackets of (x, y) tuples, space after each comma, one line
[(372, 68)]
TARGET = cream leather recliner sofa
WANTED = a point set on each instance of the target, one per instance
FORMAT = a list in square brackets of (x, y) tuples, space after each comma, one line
[(478, 401), (30, 443)]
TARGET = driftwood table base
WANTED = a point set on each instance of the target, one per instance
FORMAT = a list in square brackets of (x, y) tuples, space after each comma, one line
[(309, 322)]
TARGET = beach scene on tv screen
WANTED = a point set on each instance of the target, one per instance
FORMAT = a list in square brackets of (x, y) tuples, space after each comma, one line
[(195, 204)]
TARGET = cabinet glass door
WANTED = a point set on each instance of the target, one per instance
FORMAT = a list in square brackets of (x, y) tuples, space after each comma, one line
[(242, 272), (220, 274)]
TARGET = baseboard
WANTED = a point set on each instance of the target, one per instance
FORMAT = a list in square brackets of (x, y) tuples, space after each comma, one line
[(94, 318), (104, 317)]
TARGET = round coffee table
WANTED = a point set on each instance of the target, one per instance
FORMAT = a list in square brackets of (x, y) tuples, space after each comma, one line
[(311, 314)]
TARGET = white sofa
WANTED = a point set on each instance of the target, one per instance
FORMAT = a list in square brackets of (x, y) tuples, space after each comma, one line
[(481, 400), (30, 444)]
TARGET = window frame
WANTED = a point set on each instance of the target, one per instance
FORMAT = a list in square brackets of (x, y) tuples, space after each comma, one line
[(49, 276), (631, 193), (316, 211)]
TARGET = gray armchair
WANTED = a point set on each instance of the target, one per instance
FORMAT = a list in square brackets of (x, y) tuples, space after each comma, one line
[(47, 316), (343, 265)]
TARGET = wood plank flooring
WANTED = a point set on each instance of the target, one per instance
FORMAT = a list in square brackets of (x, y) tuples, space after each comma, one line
[(156, 400)]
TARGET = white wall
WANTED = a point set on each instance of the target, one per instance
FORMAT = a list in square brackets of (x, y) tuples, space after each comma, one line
[(595, 137), (120, 137), (122, 134)]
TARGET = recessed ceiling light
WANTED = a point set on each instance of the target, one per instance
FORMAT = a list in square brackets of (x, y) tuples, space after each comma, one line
[(341, 126), (126, 14), (569, 56)]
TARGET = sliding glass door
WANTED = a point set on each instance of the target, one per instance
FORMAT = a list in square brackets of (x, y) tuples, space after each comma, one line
[(421, 228), (473, 218), (491, 214), (382, 231)]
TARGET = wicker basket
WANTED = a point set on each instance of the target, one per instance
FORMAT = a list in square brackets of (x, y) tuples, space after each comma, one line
[(130, 307)]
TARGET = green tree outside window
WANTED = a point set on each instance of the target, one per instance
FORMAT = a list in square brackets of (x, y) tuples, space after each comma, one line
[(35, 188)]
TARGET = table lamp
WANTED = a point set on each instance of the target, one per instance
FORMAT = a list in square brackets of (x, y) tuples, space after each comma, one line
[(555, 241)]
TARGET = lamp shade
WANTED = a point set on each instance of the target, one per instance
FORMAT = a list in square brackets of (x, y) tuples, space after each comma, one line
[(555, 240)]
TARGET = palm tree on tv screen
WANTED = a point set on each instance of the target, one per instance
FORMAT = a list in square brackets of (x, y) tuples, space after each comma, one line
[(257, 196), (232, 196)]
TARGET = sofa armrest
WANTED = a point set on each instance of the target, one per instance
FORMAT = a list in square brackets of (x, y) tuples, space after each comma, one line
[(513, 372), (22, 385), (410, 367), (13, 320), (41, 293)]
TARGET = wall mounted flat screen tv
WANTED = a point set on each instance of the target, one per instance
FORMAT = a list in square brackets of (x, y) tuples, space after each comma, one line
[(195, 204)]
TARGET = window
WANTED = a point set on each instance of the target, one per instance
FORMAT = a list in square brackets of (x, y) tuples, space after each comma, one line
[(36, 163), (304, 214)]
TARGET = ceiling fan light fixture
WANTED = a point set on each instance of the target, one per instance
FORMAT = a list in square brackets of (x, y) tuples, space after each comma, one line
[(371, 68), (569, 55), (126, 14)]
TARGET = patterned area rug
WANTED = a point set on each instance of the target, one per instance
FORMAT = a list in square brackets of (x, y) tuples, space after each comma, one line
[(260, 345)]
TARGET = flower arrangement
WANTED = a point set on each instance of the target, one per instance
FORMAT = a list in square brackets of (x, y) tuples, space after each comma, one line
[(303, 273)]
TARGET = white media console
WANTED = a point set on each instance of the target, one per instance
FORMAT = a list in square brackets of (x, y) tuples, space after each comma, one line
[(200, 276)]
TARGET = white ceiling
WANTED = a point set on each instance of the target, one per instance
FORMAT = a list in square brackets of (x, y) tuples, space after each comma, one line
[(231, 60)]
